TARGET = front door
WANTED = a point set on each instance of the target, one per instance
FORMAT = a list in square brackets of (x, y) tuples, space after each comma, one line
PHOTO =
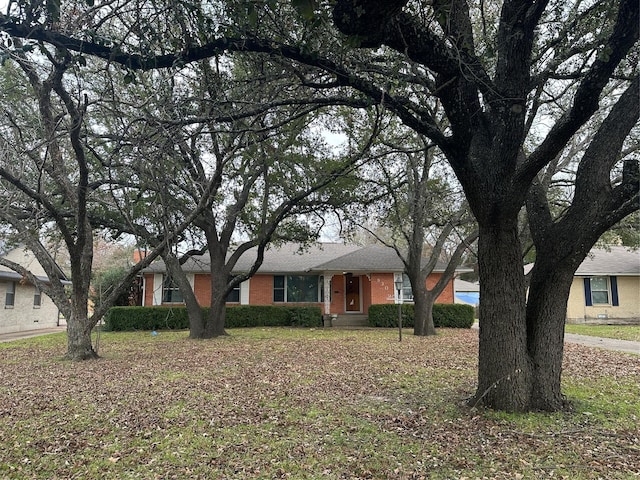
[(352, 291)]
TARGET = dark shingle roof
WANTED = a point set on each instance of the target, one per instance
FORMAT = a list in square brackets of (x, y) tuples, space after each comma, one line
[(372, 258), (290, 258), (16, 277), (286, 258)]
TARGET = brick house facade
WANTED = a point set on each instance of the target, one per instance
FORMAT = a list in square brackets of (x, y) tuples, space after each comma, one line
[(343, 280)]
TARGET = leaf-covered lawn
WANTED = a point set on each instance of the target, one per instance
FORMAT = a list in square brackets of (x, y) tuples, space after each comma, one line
[(293, 403)]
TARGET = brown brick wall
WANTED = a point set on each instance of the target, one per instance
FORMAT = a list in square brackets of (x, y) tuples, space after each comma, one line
[(261, 290), (382, 287), (447, 294), (366, 292), (337, 294), (202, 288)]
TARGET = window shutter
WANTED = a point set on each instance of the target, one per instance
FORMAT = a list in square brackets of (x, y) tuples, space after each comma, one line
[(587, 292), (614, 291)]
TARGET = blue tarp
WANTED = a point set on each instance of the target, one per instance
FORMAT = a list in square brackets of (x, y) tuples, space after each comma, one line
[(472, 298)]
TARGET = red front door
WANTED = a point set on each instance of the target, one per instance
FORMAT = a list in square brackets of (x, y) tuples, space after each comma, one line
[(352, 291)]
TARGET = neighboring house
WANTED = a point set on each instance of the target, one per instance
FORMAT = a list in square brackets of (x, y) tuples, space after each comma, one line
[(22, 305), (467, 292), (344, 280), (606, 288)]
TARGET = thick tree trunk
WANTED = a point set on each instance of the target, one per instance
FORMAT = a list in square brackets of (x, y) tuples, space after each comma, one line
[(546, 313), (194, 311), (196, 322), (216, 319), (79, 326), (196, 319), (504, 367), (423, 313)]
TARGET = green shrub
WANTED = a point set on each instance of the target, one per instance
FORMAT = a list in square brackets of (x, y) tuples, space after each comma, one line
[(386, 315), (444, 315), (310, 317), (256, 316), (146, 318), (176, 318), (453, 315)]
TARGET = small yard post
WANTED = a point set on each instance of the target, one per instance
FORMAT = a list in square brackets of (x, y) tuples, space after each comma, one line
[(398, 283)]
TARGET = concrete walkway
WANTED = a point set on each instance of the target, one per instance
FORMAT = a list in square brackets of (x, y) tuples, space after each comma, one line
[(606, 343), (8, 337), (598, 342)]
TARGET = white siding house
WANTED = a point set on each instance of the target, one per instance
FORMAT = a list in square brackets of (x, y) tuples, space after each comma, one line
[(22, 306)]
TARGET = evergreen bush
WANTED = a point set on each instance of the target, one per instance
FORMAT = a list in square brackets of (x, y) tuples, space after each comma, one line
[(176, 318), (146, 318), (445, 315)]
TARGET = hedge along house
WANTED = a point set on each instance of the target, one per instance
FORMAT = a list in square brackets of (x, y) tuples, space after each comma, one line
[(22, 305), (343, 280), (606, 288)]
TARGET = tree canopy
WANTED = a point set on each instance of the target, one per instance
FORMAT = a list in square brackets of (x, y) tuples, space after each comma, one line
[(503, 90)]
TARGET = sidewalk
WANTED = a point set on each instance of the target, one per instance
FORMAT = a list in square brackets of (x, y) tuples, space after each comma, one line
[(606, 343), (598, 342), (8, 337)]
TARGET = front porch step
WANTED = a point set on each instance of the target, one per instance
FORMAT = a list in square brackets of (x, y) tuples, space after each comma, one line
[(350, 320)]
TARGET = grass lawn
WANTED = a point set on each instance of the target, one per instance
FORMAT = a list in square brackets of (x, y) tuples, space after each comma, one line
[(302, 404), (621, 332)]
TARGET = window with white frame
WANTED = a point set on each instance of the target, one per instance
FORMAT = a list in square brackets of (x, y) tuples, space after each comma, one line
[(298, 288), (170, 291), (10, 296), (37, 297), (601, 291), (407, 291)]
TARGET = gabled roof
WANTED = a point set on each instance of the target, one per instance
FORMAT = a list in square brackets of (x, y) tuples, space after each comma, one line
[(290, 257), (286, 258), (24, 257), (365, 259), (321, 257), (615, 260), (372, 258)]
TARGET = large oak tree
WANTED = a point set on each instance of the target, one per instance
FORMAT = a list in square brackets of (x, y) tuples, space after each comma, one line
[(53, 183), (493, 103), (262, 152)]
